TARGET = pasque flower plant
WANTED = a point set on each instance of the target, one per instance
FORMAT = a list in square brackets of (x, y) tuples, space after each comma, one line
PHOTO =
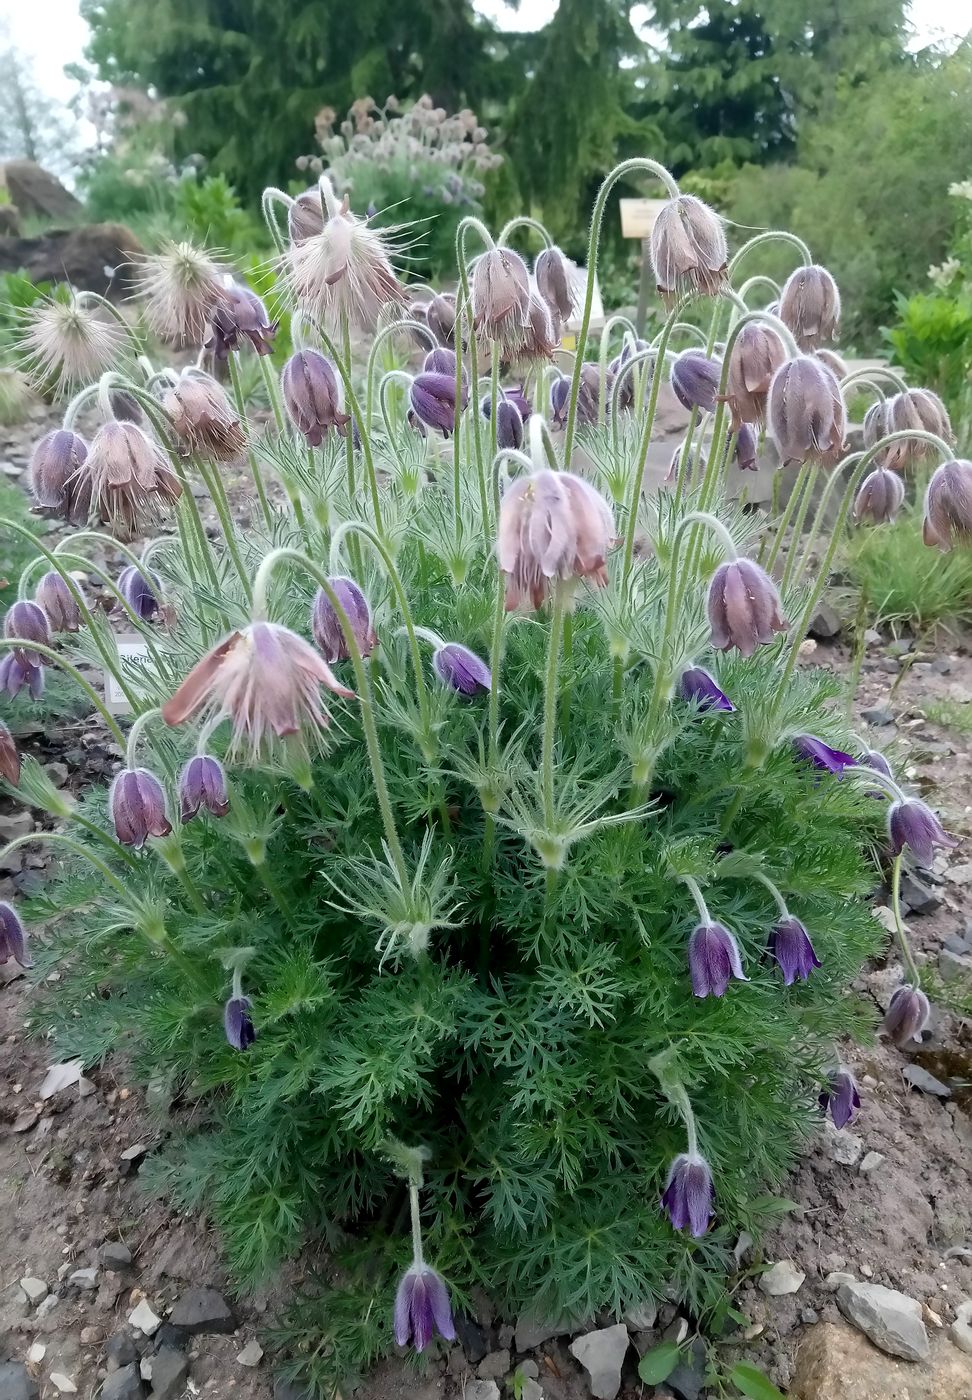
[(543, 859)]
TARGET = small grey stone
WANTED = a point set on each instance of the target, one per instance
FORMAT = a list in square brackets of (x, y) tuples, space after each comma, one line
[(47, 1306), (845, 1147), (900, 647), (202, 1310), (482, 1390), (890, 1319), (494, 1366), (918, 897), (125, 1384), (954, 967), (825, 623), (943, 665), (170, 1368), (530, 1369), (35, 1290), (687, 1378), (286, 1390), (251, 1355), (120, 1351), (602, 1353), (57, 772), (877, 716), (85, 1279), (889, 664), (15, 1383), (871, 1162), (926, 1083), (809, 1316), (960, 1330), (143, 1317), (641, 1318), (782, 1278), (115, 1256), (531, 1331), (834, 1280), (531, 1390)]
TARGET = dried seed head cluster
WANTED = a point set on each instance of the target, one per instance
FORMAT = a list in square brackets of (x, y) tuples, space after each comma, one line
[(179, 289), (203, 420), (71, 343)]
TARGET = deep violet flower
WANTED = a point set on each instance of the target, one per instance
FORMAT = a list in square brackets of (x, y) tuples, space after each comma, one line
[(696, 684), (326, 628), (821, 755), (141, 591), (461, 669), (203, 785), (790, 945), (138, 808), (238, 1023), (714, 959), (13, 940), (422, 1308), (841, 1097), (688, 1194), (912, 823)]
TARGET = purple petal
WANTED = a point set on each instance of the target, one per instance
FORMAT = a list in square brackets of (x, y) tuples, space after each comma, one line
[(403, 1308), (821, 755), (714, 959), (790, 945), (238, 1023), (696, 684), (461, 669), (688, 1194)]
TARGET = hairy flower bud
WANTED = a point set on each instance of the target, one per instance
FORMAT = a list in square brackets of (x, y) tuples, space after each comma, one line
[(747, 448), (541, 331), (326, 628), (789, 944), (911, 410), (623, 379), (948, 506), (744, 607), (688, 1195), (202, 783), (240, 312), (814, 751), (695, 380), (422, 1308), (907, 1016), (875, 426), (203, 420), (238, 1023), (305, 217), (559, 399), (913, 824), (688, 248), (55, 465), (14, 675), (810, 306), (834, 362), (58, 602), (554, 282), (461, 669), (129, 477), (142, 592), (433, 400), (137, 805), (13, 940), (9, 757), (697, 685), (442, 360), (873, 758), (509, 424), (440, 314), (806, 412), (29, 621), (841, 1097), (501, 299), (879, 497), (757, 354), (313, 396), (713, 956), (553, 525)]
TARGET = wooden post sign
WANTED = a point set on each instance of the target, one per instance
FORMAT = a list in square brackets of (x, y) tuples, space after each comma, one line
[(637, 221)]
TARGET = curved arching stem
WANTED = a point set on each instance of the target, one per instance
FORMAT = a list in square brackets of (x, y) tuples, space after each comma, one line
[(386, 333), (760, 280), (524, 221), (870, 374), (270, 201), (56, 659), (344, 369), (778, 235)]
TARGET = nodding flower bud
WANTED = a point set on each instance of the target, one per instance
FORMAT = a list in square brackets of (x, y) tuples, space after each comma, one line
[(875, 427), (440, 315), (203, 420), (755, 357), (810, 306), (461, 669), (240, 312), (814, 751), (326, 628), (141, 591), (509, 424), (913, 824), (907, 1016), (305, 217), (541, 331), (433, 400), (554, 282), (624, 380), (948, 506), (9, 757), (501, 299), (713, 956), (552, 526), (442, 360), (55, 465), (514, 395), (58, 602), (911, 410), (238, 1023), (873, 758), (744, 607), (137, 805), (688, 248), (125, 407), (203, 784), (841, 1097), (312, 395), (422, 1308), (29, 621), (806, 412), (13, 941), (559, 399), (789, 944), (695, 380), (747, 448), (879, 497), (129, 477), (698, 686), (14, 675), (834, 362), (688, 1196)]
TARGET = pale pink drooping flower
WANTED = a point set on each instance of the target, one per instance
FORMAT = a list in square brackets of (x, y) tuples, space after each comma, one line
[(129, 477), (203, 420), (343, 273), (553, 526)]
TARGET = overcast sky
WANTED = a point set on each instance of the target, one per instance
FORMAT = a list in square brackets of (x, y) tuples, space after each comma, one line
[(53, 33)]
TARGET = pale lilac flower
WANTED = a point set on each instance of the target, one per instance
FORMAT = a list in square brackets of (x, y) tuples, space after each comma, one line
[(553, 280), (55, 466), (744, 607), (912, 823), (757, 354), (461, 669), (714, 959), (810, 306), (914, 409), (9, 757), (688, 248), (422, 1308), (948, 506), (688, 1196), (841, 1096), (552, 525), (28, 621), (313, 395), (879, 497), (747, 448), (821, 755), (15, 674), (326, 627), (238, 1023), (440, 316), (202, 784), (695, 380), (698, 685), (136, 801), (58, 602), (13, 940), (306, 217), (789, 944), (907, 1016), (806, 412), (203, 420)]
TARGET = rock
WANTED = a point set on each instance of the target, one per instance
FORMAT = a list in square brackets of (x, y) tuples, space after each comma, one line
[(14, 825), (15, 1383), (892, 1320), (825, 623), (125, 1384), (531, 1390), (926, 1083), (872, 637), (482, 1390), (63, 1383), (687, 1378), (251, 1355), (115, 1256), (36, 1353), (494, 1366), (120, 1351), (170, 1368), (473, 1339), (899, 647), (9, 221), (35, 1290), (782, 1278), (836, 1363), (84, 1279), (132, 1158), (169, 1336), (877, 716), (93, 258), (202, 1310), (532, 1332), (918, 897), (286, 1390), (809, 1315), (25, 1120), (35, 190), (961, 1330), (871, 1162), (845, 1147), (48, 1306), (960, 874), (144, 1319), (641, 1318), (954, 967), (601, 1354)]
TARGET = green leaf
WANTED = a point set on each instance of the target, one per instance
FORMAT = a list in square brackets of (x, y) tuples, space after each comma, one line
[(659, 1363), (751, 1381), (773, 1205)]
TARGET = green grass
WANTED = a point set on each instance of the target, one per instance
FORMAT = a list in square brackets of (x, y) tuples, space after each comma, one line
[(904, 582), (950, 714)]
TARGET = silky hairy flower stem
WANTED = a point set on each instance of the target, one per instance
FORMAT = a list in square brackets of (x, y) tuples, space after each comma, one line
[(805, 481), (604, 350), (389, 380), (409, 325), (78, 561), (217, 494), (344, 369), (900, 934), (778, 899), (626, 167), (116, 848), (821, 514), (239, 399), (270, 198), (872, 373), (560, 597), (273, 392), (661, 1065), (771, 236), (464, 226), (759, 280), (524, 221), (418, 1257), (365, 700), (799, 485), (684, 478), (494, 370), (632, 363), (135, 733), (76, 676)]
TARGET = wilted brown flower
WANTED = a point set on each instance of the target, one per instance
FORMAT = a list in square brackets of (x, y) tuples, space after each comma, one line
[(688, 248), (948, 506), (914, 409), (806, 412), (202, 418), (553, 526), (810, 306), (756, 355), (501, 299), (129, 477), (305, 217)]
